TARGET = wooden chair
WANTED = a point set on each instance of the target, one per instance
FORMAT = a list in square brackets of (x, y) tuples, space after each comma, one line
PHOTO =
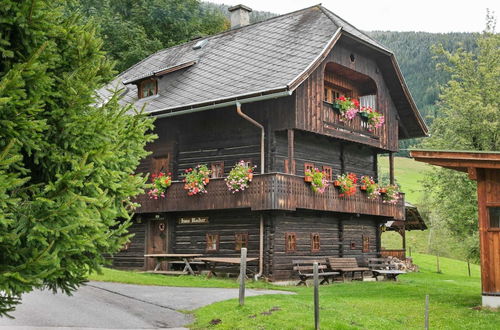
[(346, 265), (305, 270), (384, 266)]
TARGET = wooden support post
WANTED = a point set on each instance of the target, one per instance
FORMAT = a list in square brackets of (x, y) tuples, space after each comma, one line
[(391, 167), (291, 151), (243, 273), (426, 312), (342, 158), (404, 238), (316, 296)]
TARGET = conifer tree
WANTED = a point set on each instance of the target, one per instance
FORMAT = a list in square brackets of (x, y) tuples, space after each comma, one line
[(66, 162)]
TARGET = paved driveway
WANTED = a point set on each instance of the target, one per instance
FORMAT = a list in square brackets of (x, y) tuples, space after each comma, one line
[(101, 305)]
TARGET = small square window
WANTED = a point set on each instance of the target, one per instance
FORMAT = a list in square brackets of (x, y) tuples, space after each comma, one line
[(308, 167), (353, 245), (241, 241), (147, 88), (328, 172), (290, 242), (315, 243), (217, 169), (212, 242), (494, 214)]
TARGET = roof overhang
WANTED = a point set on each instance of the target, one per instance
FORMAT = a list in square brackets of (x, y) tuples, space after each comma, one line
[(463, 161), (160, 72)]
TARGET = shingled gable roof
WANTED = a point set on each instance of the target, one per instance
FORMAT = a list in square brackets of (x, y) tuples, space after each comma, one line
[(272, 56)]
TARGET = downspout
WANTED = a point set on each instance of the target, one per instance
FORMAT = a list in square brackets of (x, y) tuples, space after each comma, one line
[(262, 155), (262, 134)]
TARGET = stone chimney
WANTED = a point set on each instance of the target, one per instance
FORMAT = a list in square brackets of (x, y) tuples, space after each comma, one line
[(239, 16)]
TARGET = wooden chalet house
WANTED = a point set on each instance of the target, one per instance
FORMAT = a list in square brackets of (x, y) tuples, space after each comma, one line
[(263, 93)]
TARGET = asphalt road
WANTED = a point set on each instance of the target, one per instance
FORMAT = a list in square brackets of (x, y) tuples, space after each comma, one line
[(101, 305)]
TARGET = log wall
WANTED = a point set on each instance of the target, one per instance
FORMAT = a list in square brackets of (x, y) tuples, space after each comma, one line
[(336, 231), (132, 255)]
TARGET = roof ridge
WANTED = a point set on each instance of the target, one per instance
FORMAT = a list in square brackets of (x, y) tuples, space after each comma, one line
[(329, 14), (220, 34)]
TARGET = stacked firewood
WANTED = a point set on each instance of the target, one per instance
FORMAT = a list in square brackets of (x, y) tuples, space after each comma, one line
[(406, 265)]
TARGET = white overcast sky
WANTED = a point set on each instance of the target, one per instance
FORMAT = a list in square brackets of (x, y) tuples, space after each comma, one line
[(402, 15)]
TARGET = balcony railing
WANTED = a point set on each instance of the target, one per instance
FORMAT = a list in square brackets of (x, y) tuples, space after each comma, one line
[(332, 120), (273, 191)]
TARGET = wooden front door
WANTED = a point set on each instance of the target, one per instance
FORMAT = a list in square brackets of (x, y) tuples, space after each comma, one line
[(157, 239)]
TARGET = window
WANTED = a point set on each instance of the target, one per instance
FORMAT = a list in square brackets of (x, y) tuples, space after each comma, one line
[(366, 243), (315, 246), (494, 214), (241, 241), (308, 167), (212, 242), (160, 164), (331, 93), (353, 245), (290, 242), (147, 88), (217, 169), (328, 172)]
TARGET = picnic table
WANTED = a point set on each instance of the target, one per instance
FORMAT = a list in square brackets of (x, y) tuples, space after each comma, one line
[(184, 258), (213, 262)]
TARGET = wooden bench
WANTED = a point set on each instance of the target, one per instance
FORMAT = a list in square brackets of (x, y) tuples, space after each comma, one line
[(346, 265), (384, 266), (305, 270)]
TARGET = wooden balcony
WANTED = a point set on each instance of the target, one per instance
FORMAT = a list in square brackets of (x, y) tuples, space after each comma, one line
[(273, 191), (332, 120)]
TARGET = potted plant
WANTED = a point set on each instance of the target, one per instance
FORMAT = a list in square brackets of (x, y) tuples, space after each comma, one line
[(347, 107), (372, 117), (196, 179), (390, 194), (368, 185), (239, 177), (160, 182), (346, 184), (318, 180)]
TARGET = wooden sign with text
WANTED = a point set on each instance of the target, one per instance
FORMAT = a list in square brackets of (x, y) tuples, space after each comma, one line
[(193, 220)]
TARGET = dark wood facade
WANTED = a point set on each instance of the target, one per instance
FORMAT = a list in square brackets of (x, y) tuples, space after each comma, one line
[(300, 129)]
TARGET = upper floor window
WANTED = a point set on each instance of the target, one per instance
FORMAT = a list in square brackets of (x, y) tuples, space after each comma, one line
[(343, 81), (217, 169), (328, 172), (308, 167), (148, 87)]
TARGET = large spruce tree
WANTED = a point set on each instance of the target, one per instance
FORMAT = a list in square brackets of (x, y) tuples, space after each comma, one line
[(66, 161)]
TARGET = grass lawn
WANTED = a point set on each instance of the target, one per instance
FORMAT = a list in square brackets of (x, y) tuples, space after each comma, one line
[(135, 277), (367, 305)]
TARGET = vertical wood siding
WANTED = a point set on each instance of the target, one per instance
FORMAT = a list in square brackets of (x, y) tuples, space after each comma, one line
[(312, 113)]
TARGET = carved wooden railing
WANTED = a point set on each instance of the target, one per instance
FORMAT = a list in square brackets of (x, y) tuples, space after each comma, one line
[(332, 119), (273, 191)]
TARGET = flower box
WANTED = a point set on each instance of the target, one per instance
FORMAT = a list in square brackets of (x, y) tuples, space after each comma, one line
[(363, 188), (383, 191), (308, 178), (364, 116)]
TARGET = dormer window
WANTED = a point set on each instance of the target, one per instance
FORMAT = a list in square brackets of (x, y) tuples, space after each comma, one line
[(147, 88)]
